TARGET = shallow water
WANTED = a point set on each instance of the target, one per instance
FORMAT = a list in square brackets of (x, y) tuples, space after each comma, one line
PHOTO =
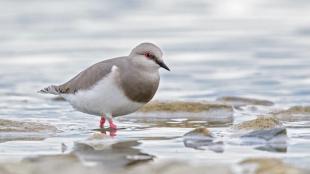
[(254, 49)]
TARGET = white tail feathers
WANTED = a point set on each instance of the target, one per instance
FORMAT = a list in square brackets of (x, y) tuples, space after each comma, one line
[(50, 90)]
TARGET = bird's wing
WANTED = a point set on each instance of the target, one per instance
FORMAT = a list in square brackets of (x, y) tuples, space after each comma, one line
[(87, 78)]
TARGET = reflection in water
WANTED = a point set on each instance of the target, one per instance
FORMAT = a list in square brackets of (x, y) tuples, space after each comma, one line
[(115, 156), (112, 132), (282, 148), (201, 144)]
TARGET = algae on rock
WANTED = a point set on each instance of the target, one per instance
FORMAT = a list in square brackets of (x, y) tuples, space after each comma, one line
[(295, 113), (179, 106), (270, 165), (262, 122)]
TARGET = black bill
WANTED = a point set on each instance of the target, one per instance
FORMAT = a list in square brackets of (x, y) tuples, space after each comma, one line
[(163, 65)]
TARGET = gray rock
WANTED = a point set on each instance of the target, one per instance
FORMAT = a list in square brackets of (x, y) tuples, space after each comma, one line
[(200, 138), (267, 134)]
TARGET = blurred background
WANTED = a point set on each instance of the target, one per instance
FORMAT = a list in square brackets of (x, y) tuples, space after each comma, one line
[(255, 48)]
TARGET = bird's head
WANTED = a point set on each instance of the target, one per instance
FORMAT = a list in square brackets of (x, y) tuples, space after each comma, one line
[(148, 56)]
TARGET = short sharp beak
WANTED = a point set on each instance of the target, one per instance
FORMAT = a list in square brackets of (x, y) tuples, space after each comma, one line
[(163, 65)]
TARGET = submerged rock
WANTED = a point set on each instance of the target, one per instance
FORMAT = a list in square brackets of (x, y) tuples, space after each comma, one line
[(269, 165), (16, 130), (262, 122), (267, 134), (240, 101), (296, 113), (200, 138), (272, 140)]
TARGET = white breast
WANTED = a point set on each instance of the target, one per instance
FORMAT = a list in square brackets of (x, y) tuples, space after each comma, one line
[(104, 97)]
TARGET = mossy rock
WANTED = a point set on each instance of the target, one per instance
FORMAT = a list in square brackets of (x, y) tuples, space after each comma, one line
[(18, 126), (295, 113), (180, 106), (241, 101), (271, 165), (201, 131), (263, 122)]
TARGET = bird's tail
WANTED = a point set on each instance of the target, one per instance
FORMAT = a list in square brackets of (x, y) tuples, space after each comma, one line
[(50, 90)]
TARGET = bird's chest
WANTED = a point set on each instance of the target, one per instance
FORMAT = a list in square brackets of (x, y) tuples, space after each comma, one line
[(142, 88)]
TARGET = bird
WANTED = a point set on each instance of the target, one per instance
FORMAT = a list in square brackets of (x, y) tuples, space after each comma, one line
[(114, 87)]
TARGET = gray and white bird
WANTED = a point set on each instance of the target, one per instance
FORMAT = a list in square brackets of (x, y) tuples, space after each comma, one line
[(115, 87)]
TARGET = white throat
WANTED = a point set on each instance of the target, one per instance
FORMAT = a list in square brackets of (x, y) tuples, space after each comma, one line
[(144, 64)]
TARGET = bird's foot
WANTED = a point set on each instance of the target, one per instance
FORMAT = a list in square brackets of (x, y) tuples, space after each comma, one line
[(112, 125), (102, 121)]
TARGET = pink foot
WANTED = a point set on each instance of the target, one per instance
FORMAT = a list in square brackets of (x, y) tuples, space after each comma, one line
[(102, 121), (112, 125)]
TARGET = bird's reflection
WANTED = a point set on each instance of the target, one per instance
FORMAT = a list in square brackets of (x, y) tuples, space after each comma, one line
[(107, 131)]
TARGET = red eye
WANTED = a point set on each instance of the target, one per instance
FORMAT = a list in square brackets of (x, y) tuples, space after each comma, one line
[(148, 55)]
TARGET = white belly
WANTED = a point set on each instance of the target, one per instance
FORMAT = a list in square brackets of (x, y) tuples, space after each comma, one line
[(105, 97)]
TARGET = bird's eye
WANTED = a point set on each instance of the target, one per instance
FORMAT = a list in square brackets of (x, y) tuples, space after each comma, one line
[(148, 55)]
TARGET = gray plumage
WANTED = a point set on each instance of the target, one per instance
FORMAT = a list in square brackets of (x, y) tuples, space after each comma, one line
[(132, 80)]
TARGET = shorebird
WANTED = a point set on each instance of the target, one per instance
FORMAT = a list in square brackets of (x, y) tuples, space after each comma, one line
[(114, 87)]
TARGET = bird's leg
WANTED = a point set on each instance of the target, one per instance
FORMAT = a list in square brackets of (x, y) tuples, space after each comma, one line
[(102, 121), (112, 125)]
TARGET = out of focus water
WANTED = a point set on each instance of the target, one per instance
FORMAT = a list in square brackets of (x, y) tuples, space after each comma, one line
[(254, 48)]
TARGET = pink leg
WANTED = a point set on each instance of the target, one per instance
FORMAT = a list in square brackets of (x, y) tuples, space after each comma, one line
[(112, 125), (102, 121)]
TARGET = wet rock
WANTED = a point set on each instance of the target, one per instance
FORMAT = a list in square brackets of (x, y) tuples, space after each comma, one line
[(269, 165), (240, 101), (296, 113), (200, 138), (201, 132), (267, 134), (262, 122), (212, 113), (16, 131), (272, 140)]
